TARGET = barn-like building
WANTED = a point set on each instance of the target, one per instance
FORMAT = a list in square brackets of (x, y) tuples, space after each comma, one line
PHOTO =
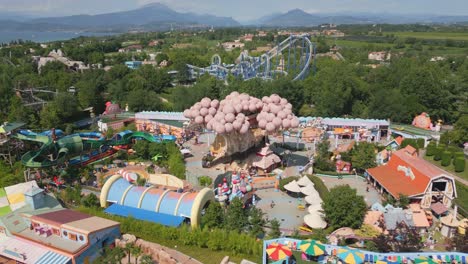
[(407, 174)]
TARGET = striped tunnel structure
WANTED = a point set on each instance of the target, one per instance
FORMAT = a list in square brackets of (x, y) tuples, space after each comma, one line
[(189, 205)]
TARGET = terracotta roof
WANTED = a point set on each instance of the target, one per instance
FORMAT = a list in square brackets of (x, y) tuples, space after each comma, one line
[(406, 174), (60, 217), (398, 140)]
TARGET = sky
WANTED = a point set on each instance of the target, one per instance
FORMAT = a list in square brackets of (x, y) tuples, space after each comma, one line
[(242, 10)]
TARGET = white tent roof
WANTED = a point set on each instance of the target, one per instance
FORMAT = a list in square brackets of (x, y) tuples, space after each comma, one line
[(308, 190), (313, 199), (315, 221), (313, 209), (293, 187), (304, 181)]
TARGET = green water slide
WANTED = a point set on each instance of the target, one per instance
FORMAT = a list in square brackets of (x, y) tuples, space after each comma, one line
[(51, 153)]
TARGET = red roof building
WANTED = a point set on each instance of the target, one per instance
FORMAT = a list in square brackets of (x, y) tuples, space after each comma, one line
[(407, 174)]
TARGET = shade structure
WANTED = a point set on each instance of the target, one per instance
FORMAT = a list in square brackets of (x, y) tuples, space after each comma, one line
[(293, 187), (315, 208), (277, 251), (265, 162), (424, 260), (305, 181), (308, 190), (350, 256), (312, 247), (313, 199), (315, 221)]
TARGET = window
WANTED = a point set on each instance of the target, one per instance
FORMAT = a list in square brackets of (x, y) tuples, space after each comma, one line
[(72, 236), (65, 233), (81, 238), (56, 231)]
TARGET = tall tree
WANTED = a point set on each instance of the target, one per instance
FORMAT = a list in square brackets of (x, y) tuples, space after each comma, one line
[(363, 156), (214, 216), (236, 216), (343, 207)]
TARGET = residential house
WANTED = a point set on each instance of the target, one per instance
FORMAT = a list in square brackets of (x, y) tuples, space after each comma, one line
[(228, 46), (379, 56)]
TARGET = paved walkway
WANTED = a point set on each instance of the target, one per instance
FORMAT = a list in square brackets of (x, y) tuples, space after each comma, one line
[(359, 184), (285, 209)]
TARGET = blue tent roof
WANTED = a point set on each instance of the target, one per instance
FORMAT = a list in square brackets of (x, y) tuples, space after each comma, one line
[(141, 214)]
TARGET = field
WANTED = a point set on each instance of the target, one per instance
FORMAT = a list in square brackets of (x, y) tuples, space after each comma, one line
[(431, 35)]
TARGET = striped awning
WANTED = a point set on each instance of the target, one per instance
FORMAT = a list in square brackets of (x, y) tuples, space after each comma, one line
[(52, 257)]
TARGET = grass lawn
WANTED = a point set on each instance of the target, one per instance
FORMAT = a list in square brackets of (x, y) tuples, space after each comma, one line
[(449, 168), (361, 44), (431, 35), (2, 192), (5, 210)]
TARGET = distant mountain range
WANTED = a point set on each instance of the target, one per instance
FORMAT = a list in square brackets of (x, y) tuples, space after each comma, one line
[(149, 17), (157, 16), (300, 18)]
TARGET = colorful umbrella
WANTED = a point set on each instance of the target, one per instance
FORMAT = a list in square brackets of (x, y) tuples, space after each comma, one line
[(350, 256), (278, 251), (424, 260), (389, 261), (312, 247)]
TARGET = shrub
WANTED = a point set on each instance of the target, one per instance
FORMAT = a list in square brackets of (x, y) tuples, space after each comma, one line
[(438, 153), (452, 149), (446, 158), (420, 142), (458, 155), (411, 142), (431, 149), (459, 164), (205, 181)]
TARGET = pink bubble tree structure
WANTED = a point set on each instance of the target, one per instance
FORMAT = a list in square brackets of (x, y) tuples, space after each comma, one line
[(238, 113), (240, 122)]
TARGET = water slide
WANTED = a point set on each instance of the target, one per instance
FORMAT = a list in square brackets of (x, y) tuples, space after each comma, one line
[(53, 153), (58, 133), (50, 153)]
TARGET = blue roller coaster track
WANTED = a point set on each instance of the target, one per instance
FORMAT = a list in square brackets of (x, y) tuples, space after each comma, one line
[(292, 57)]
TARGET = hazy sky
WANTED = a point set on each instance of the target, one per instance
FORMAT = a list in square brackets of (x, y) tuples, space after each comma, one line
[(238, 9)]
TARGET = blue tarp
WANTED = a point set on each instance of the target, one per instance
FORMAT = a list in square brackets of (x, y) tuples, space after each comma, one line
[(141, 214)]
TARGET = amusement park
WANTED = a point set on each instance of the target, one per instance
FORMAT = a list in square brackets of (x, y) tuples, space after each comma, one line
[(228, 178)]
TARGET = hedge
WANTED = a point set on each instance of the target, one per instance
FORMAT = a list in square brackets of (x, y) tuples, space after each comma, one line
[(319, 185), (416, 143), (458, 155), (438, 152), (431, 149), (453, 149), (446, 158), (459, 164), (216, 239)]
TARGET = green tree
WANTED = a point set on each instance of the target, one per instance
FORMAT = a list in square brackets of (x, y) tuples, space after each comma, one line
[(146, 259), (236, 216), (363, 156), (256, 221), (136, 252), (344, 208), (214, 216), (274, 228), (90, 200)]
